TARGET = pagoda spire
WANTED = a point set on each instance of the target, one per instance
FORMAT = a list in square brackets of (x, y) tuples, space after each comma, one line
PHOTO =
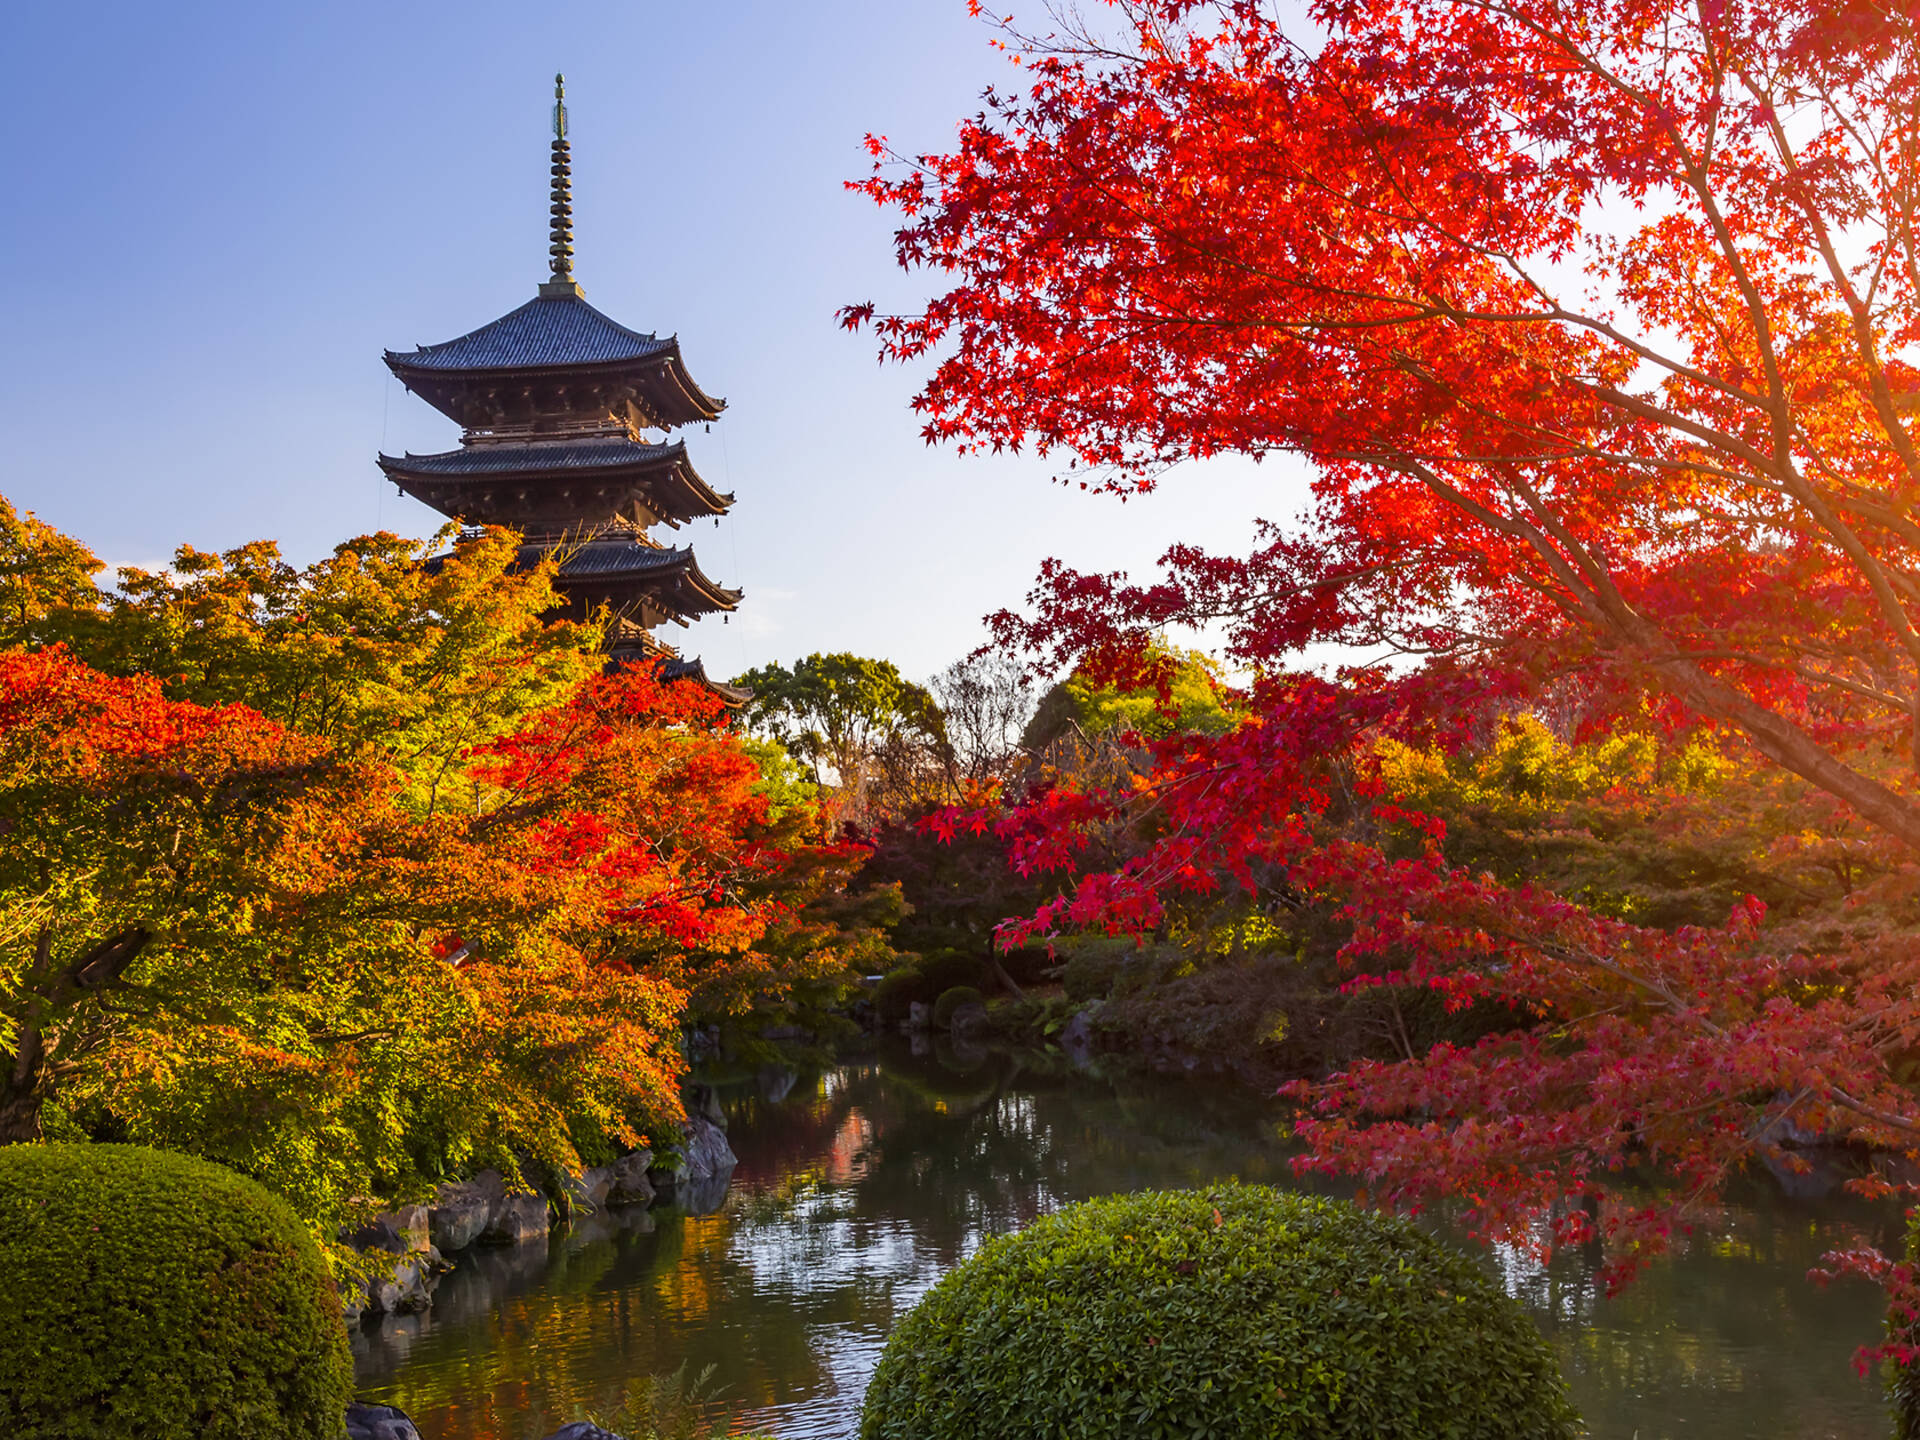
[(560, 250)]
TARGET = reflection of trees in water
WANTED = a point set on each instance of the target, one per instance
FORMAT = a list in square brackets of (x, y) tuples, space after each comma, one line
[(857, 1189), (1727, 1332)]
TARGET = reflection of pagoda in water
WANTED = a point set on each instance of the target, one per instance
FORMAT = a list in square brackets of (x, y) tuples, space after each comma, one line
[(555, 401)]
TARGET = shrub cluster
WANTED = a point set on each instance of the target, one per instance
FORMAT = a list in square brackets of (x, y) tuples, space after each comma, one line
[(150, 1296), (925, 980), (1217, 1315)]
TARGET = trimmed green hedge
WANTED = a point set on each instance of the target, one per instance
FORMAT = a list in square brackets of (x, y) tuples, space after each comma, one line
[(1225, 1314), (149, 1296), (950, 1001)]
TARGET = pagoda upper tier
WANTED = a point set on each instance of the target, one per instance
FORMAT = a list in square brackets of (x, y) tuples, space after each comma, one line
[(555, 366)]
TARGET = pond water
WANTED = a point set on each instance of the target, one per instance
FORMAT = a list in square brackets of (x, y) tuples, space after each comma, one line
[(858, 1188)]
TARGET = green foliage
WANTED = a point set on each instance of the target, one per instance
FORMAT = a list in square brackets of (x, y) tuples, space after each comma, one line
[(1096, 964), (875, 742), (783, 780), (369, 648), (1192, 703), (154, 1297), (832, 710), (1217, 1315), (1655, 829), (950, 1003), (1032, 1020), (44, 577)]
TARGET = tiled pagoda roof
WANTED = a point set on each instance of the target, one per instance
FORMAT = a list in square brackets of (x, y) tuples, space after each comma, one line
[(607, 564), (677, 668), (555, 336), (468, 483), (547, 330)]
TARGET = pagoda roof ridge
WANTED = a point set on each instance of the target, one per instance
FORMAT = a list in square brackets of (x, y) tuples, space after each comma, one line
[(547, 332)]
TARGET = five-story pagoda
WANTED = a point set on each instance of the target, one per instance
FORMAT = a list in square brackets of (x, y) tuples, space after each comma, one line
[(555, 402)]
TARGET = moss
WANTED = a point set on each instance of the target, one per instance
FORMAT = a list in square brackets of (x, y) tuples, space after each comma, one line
[(150, 1296), (1215, 1315)]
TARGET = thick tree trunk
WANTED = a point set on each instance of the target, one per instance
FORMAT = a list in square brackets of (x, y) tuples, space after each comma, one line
[(19, 1118), (20, 1093), (20, 1096)]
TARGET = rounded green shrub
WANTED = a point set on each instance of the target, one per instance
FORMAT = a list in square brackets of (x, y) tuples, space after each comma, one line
[(149, 1296), (1239, 1313), (950, 1002)]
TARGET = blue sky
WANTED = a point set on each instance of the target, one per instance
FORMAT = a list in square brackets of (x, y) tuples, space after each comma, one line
[(218, 215)]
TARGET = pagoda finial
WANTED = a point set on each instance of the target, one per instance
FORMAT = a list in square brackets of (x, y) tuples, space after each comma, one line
[(560, 251)]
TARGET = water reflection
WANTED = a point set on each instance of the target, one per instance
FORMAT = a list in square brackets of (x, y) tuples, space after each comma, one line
[(857, 1189)]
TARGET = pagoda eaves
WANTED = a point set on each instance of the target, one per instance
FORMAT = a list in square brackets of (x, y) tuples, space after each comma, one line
[(544, 485), (555, 356)]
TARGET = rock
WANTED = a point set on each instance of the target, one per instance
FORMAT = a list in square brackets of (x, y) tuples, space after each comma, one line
[(379, 1422), (695, 1175), (706, 1150), (403, 1284), (583, 1430), (461, 1210), (516, 1220), (919, 1016), (708, 1168), (587, 1192), (627, 1179), (1076, 1037), (396, 1232), (410, 1288), (969, 1019), (704, 1101)]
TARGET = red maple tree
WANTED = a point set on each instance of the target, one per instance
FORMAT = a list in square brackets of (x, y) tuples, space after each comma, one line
[(1595, 321)]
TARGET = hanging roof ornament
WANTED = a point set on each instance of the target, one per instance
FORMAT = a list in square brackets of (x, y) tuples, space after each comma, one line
[(560, 250)]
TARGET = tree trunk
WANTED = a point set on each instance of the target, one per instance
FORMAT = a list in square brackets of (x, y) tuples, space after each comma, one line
[(20, 1094), (1000, 972), (19, 1114)]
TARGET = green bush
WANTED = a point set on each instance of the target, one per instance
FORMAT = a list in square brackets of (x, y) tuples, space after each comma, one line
[(901, 989), (149, 1296), (1095, 964), (948, 968), (950, 1002), (1232, 1313)]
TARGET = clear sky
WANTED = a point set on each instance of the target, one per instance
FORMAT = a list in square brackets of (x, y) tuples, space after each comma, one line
[(217, 216)]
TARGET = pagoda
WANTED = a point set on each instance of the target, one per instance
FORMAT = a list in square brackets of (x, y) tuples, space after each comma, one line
[(556, 405)]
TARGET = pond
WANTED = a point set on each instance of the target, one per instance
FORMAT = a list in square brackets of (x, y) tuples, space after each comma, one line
[(860, 1187)]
